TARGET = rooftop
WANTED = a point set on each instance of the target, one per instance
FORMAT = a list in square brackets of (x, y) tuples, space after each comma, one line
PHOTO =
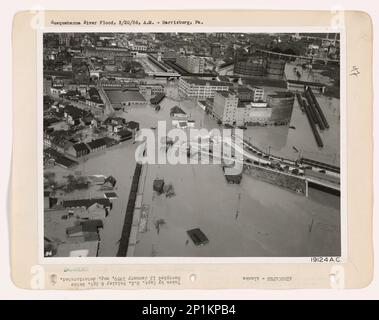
[(97, 143), (85, 203), (110, 195), (227, 94), (132, 125), (307, 83), (71, 249), (80, 147), (281, 95), (203, 82), (177, 110), (120, 96), (124, 133)]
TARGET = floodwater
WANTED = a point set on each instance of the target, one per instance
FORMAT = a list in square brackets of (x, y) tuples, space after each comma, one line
[(280, 140), (267, 221), (119, 161), (271, 221)]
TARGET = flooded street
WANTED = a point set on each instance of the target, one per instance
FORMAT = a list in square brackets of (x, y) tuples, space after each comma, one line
[(256, 218), (118, 162), (281, 140), (270, 221)]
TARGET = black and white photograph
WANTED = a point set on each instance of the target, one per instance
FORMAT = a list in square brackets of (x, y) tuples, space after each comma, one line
[(201, 144)]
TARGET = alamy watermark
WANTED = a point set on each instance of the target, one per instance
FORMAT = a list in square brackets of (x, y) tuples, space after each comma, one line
[(190, 146)]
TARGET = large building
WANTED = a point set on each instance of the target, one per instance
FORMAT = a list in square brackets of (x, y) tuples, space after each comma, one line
[(191, 64), (258, 65), (109, 53), (151, 89), (247, 93), (229, 110), (282, 105), (119, 99), (225, 106), (251, 66), (138, 47), (201, 88), (257, 113), (275, 68)]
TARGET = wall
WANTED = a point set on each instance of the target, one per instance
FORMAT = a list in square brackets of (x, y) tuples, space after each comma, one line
[(290, 182)]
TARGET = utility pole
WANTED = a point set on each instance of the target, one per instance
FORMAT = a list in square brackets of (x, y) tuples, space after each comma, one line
[(238, 206)]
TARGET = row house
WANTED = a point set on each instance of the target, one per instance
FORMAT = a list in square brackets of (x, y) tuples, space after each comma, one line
[(78, 150), (97, 145)]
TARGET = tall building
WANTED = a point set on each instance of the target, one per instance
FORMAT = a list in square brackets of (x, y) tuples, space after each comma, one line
[(282, 105), (191, 64), (229, 110), (225, 106), (201, 88)]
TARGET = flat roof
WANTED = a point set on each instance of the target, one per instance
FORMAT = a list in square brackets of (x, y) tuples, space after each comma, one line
[(120, 96), (87, 248), (85, 202), (307, 83), (203, 82), (227, 94)]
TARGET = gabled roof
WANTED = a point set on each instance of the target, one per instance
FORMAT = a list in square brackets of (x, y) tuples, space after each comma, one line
[(96, 143), (111, 180), (74, 112), (132, 125), (85, 203), (96, 222), (110, 195), (124, 133), (80, 147), (176, 109)]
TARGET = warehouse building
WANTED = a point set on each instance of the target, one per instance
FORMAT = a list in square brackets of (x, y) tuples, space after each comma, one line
[(191, 64), (119, 99), (201, 88), (282, 105)]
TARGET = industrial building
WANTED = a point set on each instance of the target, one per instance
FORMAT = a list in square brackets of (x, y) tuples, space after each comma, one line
[(257, 113), (191, 64), (108, 52), (249, 93), (201, 88), (225, 106), (282, 105), (122, 98), (231, 111), (260, 66)]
